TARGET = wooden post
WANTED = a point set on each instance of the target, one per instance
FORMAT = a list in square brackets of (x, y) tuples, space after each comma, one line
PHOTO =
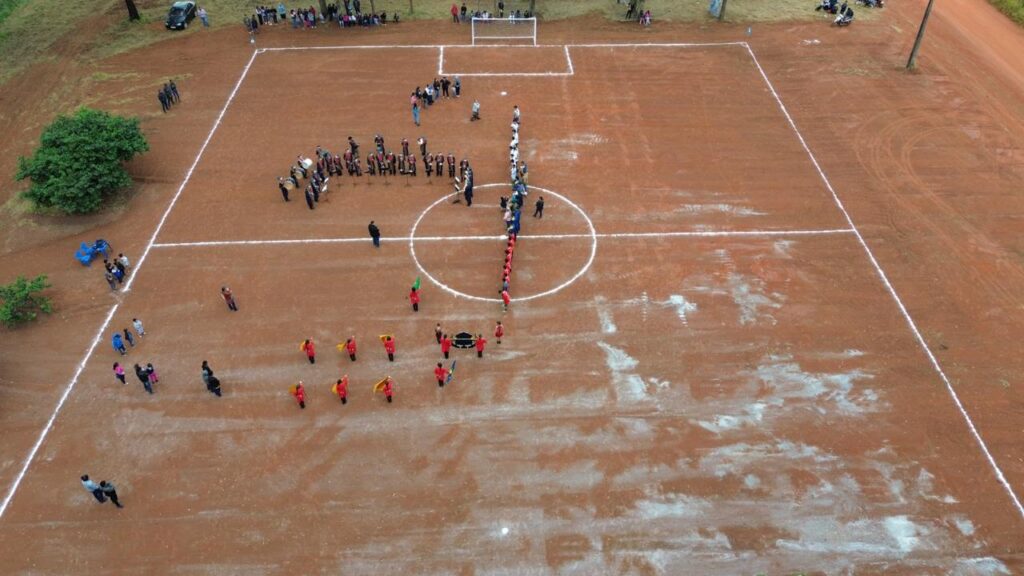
[(133, 12), (912, 61)]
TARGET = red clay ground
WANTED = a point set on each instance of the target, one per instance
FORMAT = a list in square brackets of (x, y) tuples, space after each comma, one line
[(690, 405)]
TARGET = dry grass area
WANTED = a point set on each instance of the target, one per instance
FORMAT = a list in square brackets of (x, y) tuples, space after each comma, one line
[(35, 30)]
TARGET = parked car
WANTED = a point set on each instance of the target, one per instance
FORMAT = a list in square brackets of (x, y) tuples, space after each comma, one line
[(180, 15)]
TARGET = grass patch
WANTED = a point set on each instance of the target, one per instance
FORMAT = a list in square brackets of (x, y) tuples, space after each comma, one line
[(34, 30), (683, 10), (30, 32), (1012, 8), (7, 7)]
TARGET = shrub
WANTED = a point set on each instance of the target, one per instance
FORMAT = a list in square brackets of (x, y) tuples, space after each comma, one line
[(79, 160), (21, 302), (1012, 8)]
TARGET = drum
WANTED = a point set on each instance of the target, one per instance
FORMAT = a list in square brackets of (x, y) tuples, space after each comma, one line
[(307, 163), (289, 185)]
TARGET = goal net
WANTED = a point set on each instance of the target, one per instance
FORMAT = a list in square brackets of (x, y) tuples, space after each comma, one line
[(504, 30)]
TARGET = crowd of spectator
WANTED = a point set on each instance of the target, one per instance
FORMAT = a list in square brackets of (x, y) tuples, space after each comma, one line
[(346, 13)]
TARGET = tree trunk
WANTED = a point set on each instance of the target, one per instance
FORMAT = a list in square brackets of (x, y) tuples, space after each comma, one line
[(410, 8), (133, 12), (323, 6), (373, 9), (533, 8)]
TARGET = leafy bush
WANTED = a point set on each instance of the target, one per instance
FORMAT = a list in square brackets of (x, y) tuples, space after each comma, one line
[(21, 302), (79, 160), (1012, 8)]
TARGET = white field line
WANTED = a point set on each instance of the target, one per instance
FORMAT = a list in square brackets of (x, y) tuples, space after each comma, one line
[(527, 237), (436, 46), (511, 74), (110, 315), (568, 61), (892, 292), (56, 410)]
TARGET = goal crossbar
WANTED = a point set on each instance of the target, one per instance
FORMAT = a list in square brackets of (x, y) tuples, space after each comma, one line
[(485, 29)]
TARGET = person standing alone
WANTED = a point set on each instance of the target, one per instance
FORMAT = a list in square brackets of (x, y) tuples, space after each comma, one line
[(414, 297), (441, 373), (229, 298), (374, 234), (310, 350), (341, 389), (211, 381)]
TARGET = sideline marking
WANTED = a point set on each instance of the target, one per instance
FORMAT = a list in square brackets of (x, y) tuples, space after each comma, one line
[(127, 287), (679, 234), (891, 290), (568, 60), (450, 290)]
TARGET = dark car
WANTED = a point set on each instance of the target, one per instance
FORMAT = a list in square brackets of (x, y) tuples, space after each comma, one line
[(180, 15)]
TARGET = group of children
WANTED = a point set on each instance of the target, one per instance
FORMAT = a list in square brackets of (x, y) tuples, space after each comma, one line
[(386, 386), (434, 91), (380, 162), (148, 375), (115, 272)]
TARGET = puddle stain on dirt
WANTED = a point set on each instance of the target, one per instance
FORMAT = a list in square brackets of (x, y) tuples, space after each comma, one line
[(682, 307), (748, 293), (779, 385), (628, 384), (604, 315), (784, 380)]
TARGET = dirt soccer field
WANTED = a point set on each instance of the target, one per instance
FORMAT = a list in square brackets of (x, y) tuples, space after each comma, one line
[(722, 355)]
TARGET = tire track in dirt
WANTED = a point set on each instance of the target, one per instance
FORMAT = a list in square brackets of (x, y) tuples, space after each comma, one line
[(888, 155)]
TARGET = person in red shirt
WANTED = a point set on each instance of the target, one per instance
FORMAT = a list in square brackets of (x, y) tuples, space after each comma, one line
[(499, 331), (505, 299), (455, 14), (414, 297), (310, 350), (389, 388), (229, 298), (300, 394), (341, 389), (350, 345), (446, 345), (480, 343), (389, 347), (442, 374)]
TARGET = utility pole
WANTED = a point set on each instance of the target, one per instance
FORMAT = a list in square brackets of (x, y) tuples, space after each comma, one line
[(721, 11), (912, 61)]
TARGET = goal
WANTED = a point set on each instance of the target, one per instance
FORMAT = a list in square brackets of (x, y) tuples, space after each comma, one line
[(505, 29)]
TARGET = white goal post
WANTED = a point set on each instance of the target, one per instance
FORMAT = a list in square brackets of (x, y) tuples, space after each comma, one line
[(504, 29)]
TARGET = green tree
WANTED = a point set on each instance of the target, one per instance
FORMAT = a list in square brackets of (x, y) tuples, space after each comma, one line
[(21, 301), (80, 159)]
